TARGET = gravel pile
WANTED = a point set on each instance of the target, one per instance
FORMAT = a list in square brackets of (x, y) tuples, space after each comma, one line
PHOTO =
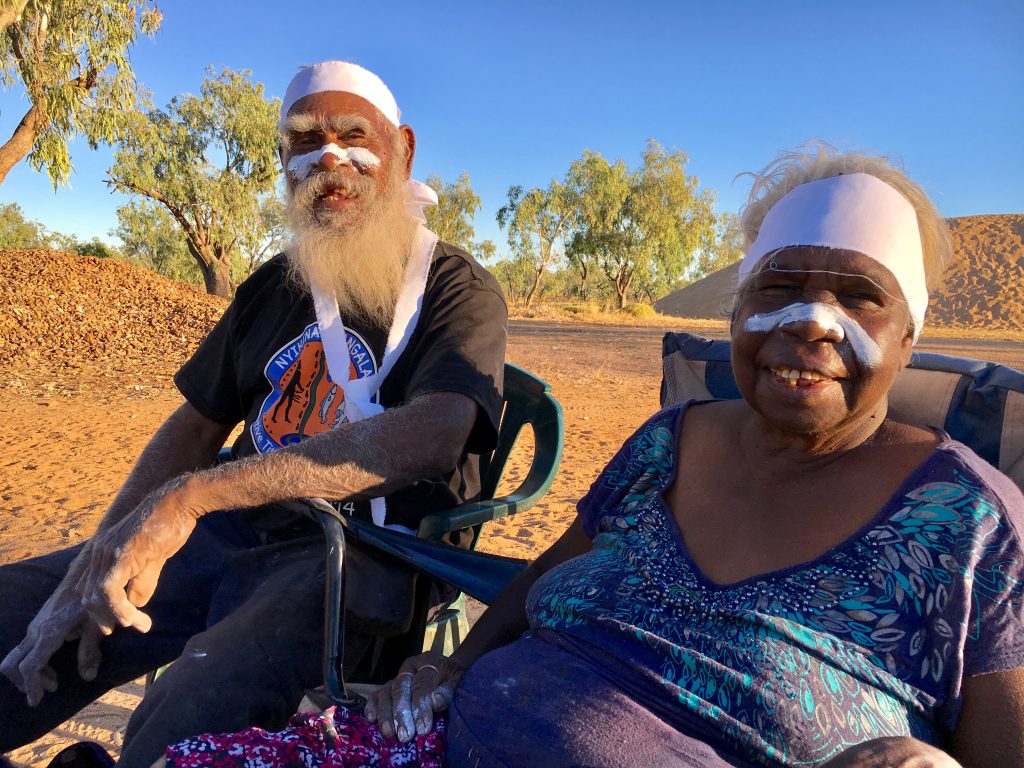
[(76, 320)]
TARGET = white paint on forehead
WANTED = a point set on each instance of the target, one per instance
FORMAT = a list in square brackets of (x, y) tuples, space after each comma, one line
[(300, 166), (865, 350)]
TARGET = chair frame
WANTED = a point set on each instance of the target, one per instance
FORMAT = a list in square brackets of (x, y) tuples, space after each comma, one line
[(527, 401)]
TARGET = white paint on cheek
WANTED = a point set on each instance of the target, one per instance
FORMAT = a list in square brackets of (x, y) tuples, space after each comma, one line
[(299, 167), (865, 350), (364, 157)]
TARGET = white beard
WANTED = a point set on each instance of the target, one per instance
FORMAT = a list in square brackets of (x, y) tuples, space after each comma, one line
[(359, 254)]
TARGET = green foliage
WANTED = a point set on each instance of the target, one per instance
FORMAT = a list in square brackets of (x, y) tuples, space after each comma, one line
[(18, 232), (536, 221), (71, 56), (152, 239), (266, 237), (642, 228), (211, 161), (484, 251), (729, 247), (516, 277), (452, 218), (96, 248)]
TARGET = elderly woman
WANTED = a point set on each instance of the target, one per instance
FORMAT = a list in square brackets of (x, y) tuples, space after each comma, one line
[(788, 579)]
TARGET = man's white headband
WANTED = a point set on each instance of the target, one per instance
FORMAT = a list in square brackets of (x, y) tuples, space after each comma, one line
[(351, 78), (854, 212), (340, 76)]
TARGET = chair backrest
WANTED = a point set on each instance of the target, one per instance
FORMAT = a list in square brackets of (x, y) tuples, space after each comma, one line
[(528, 401), (980, 404)]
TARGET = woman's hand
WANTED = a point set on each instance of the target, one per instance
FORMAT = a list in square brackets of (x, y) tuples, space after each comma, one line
[(894, 752), (405, 707)]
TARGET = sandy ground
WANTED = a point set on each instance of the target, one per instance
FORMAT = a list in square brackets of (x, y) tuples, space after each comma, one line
[(66, 450)]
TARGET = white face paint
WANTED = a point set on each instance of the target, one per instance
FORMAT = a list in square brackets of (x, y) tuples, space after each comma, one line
[(300, 166), (865, 350)]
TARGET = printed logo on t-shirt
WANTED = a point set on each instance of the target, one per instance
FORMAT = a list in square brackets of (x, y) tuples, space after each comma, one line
[(303, 399)]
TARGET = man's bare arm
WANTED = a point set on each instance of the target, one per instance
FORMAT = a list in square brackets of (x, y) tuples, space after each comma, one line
[(359, 460), (187, 441)]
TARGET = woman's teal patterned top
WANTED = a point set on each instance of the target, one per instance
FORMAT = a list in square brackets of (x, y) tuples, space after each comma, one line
[(873, 638)]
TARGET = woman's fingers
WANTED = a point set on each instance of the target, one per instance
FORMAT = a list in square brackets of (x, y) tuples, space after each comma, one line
[(384, 710), (401, 696)]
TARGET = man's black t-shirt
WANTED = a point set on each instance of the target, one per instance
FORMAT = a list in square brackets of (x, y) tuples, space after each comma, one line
[(263, 364)]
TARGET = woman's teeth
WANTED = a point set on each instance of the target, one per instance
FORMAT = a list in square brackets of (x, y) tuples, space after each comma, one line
[(795, 378)]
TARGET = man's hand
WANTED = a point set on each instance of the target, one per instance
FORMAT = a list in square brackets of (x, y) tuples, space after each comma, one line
[(892, 753), (405, 707), (61, 619), (126, 559)]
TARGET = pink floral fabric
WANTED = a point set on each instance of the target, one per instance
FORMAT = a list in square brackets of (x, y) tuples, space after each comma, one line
[(335, 738)]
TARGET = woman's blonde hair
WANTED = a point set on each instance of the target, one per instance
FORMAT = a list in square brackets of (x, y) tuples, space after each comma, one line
[(818, 160)]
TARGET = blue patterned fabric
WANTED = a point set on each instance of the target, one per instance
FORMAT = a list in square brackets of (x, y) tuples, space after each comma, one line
[(873, 638)]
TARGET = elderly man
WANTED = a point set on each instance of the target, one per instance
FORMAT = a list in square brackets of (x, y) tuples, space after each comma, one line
[(365, 365)]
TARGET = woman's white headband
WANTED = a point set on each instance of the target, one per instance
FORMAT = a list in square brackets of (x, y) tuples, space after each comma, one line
[(340, 76), (855, 212)]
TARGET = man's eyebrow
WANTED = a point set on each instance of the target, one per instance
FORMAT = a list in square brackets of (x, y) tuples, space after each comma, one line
[(305, 122)]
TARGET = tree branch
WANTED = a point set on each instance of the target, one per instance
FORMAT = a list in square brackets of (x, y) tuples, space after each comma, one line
[(12, 12)]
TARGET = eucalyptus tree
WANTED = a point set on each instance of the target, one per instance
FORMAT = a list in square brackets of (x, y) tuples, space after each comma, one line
[(597, 194), (457, 205), (152, 239), (730, 246), (210, 160), (643, 227), (71, 57), (536, 220), (18, 232)]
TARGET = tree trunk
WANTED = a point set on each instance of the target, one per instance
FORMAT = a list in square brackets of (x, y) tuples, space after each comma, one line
[(217, 277), (216, 271), (20, 143), (536, 286)]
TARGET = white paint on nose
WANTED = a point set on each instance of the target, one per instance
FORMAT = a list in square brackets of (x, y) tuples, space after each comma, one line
[(828, 317), (300, 166)]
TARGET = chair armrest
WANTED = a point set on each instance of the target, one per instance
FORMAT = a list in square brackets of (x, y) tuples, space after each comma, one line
[(434, 526)]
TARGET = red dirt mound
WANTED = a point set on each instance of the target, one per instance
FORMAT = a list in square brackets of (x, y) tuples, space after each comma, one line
[(65, 317)]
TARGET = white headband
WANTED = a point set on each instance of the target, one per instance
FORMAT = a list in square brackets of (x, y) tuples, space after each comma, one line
[(340, 76), (854, 212)]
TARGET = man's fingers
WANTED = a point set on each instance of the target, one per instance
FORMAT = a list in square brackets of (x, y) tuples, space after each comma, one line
[(48, 679), (9, 667), (141, 587), (442, 697), (89, 651), (109, 606)]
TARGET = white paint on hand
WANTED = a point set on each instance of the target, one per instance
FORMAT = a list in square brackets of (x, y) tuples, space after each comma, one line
[(300, 166), (830, 318)]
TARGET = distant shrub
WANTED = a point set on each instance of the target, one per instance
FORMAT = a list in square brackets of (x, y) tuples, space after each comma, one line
[(639, 310)]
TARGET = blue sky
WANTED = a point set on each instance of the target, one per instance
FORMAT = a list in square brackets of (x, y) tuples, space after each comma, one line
[(512, 93)]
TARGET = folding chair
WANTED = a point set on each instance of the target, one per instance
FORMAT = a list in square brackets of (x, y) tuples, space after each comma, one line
[(980, 404), (527, 402)]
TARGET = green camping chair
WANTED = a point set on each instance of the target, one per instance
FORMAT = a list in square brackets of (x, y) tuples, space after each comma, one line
[(527, 402)]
